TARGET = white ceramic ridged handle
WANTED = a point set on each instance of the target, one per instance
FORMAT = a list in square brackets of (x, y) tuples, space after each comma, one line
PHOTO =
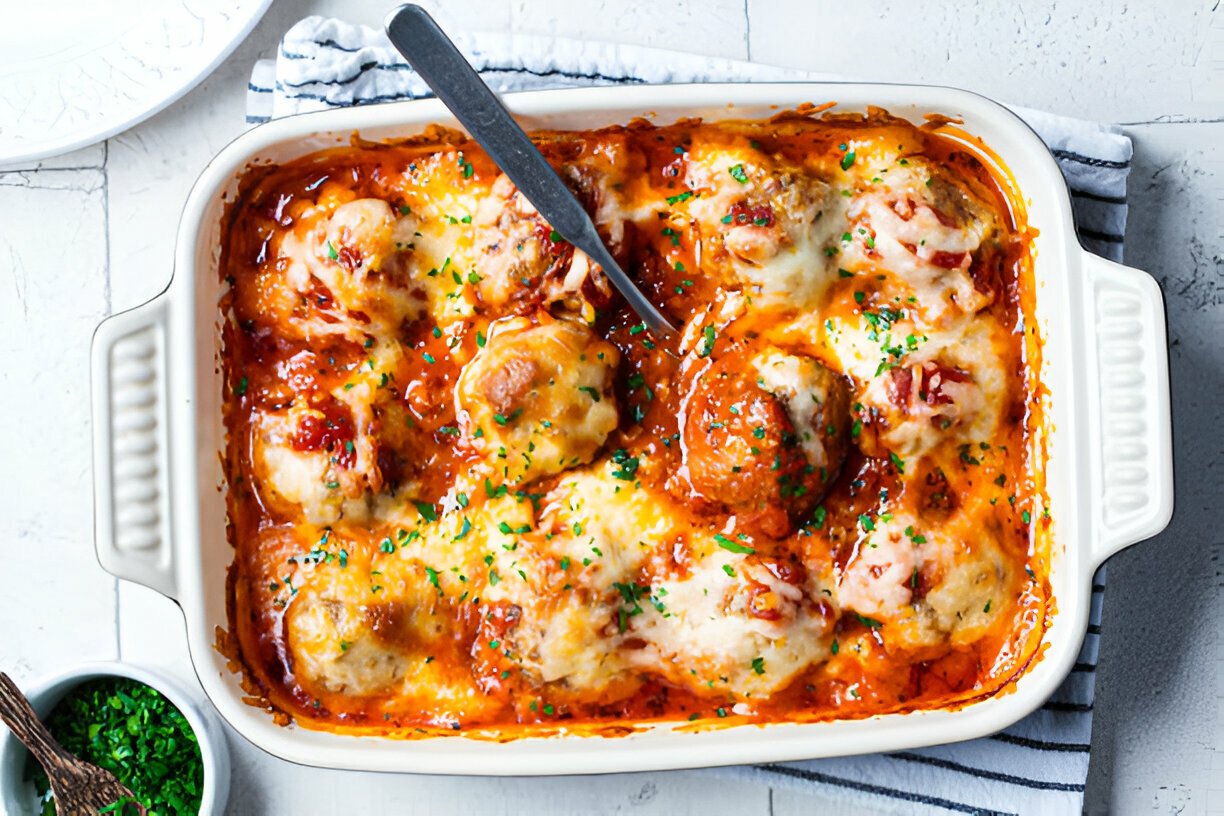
[(130, 443), (1129, 413)]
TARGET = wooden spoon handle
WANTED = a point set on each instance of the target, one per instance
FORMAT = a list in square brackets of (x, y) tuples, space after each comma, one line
[(19, 716)]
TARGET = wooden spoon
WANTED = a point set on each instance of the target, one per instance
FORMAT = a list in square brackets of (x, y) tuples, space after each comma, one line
[(80, 789)]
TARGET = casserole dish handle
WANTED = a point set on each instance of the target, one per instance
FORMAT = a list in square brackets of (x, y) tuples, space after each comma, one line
[(131, 448), (1132, 449)]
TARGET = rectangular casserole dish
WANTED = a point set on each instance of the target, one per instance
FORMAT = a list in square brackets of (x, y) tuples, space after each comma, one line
[(159, 501)]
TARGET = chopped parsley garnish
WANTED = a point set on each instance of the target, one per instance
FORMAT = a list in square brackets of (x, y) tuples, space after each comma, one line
[(707, 341), (737, 172), (758, 665), (676, 199), (134, 732), (868, 622), (502, 419), (331, 251), (631, 594), (733, 546), (626, 465), (847, 160), (427, 511), (818, 517)]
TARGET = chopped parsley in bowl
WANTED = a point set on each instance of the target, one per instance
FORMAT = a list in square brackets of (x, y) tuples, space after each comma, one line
[(133, 731), (155, 733)]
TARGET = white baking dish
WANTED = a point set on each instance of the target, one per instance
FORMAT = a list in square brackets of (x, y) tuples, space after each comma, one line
[(160, 508)]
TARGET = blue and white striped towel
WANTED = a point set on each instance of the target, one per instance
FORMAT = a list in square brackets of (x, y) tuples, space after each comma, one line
[(1038, 765)]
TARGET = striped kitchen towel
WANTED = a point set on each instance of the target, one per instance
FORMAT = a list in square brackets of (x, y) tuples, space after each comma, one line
[(1038, 765)]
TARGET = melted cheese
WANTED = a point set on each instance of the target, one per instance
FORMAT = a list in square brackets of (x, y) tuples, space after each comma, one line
[(804, 386), (901, 226), (913, 426), (704, 627), (774, 224), (464, 478), (537, 400)]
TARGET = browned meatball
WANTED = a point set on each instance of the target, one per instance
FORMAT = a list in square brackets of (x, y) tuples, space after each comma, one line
[(744, 447)]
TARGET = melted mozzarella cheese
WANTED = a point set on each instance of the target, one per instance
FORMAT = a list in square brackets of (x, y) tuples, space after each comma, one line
[(790, 220), (538, 399), (293, 481), (878, 580), (912, 225), (706, 636), (353, 252), (804, 387), (970, 582), (914, 426), (565, 578)]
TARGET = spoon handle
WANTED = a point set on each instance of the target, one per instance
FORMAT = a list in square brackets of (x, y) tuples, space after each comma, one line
[(19, 716), (434, 57)]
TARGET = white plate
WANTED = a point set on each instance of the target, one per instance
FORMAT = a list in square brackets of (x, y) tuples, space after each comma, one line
[(74, 72)]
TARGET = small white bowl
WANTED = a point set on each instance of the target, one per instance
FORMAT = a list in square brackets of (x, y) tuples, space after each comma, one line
[(18, 797)]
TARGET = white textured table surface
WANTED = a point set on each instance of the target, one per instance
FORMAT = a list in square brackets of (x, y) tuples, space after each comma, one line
[(92, 233)]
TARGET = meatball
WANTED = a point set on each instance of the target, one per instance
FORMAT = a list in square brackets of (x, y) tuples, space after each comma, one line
[(760, 220), (737, 623), (538, 398), (522, 261), (306, 463), (764, 453), (929, 584), (918, 406), (345, 638), (817, 402), (923, 230), (335, 647), (348, 265), (359, 235)]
